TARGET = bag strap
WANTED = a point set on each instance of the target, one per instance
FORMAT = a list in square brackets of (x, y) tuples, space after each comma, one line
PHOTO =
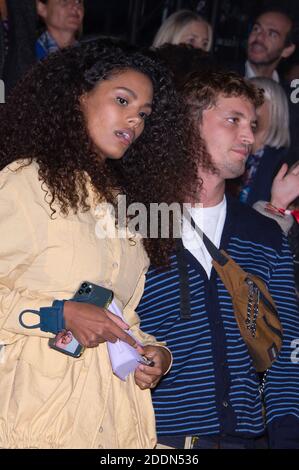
[(185, 310), (212, 249)]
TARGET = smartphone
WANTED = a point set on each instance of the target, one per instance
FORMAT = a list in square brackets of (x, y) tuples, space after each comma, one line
[(89, 293), (147, 362)]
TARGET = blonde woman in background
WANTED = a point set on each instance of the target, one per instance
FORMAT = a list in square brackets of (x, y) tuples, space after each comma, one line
[(187, 27), (272, 141)]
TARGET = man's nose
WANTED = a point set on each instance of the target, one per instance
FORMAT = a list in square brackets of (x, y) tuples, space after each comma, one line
[(247, 135), (260, 34)]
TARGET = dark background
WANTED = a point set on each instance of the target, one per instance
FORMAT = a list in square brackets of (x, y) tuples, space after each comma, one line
[(137, 20)]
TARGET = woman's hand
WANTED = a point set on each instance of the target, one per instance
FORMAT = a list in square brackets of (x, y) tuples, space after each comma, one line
[(92, 325), (149, 376), (285, 187)]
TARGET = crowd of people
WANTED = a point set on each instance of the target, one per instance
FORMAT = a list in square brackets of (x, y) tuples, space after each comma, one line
[(87, 123)]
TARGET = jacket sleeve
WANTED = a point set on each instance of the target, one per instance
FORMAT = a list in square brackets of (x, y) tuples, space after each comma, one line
[(282, 384), (18, 250), (133, 319)]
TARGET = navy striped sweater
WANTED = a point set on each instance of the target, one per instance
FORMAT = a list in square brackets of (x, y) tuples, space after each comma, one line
[(212, 388)]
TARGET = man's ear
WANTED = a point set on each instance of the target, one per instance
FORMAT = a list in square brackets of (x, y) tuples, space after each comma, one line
[(288, 51), (41, 9)]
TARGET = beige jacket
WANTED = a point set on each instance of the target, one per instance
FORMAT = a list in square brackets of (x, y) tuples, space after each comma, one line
[(48, 399)]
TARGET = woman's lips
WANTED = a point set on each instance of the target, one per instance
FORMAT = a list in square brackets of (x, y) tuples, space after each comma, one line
[(126, 136)]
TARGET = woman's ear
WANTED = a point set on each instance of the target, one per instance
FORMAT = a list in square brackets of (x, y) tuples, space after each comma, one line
[(83, 103), (82, 99)]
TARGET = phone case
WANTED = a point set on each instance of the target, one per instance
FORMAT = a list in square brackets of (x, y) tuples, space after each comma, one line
[(89, 293), (92, 294)]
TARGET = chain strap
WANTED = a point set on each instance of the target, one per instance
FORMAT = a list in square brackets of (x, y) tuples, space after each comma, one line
[(253, 307), (263, 383)]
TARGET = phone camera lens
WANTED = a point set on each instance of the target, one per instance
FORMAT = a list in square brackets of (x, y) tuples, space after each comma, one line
[(80, 292), (88, 290), (84, 285)]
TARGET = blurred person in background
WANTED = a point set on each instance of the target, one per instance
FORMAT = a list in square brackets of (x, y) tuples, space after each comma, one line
[(273, 39), (17, 39), (185, 27), (272, 140), (290, 68), (3, 34), (283, 207), (63, 21)]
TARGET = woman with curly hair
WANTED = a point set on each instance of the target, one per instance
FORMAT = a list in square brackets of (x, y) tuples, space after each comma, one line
[(85, 125)]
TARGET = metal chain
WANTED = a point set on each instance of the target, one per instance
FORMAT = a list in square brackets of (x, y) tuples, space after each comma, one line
[(252, 307), (262, 385)]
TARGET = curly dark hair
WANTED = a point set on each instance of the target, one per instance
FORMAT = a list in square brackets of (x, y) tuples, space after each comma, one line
[(186, 61), (43, 121)]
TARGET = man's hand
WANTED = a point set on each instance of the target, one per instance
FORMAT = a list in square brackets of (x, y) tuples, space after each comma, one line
[(92, 325), (149, 376), (285, 187)]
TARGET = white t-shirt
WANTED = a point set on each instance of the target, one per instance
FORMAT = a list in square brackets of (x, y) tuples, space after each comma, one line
[(211, 221)]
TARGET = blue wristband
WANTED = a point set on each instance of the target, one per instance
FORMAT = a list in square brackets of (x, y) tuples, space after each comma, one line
[(51, 318)]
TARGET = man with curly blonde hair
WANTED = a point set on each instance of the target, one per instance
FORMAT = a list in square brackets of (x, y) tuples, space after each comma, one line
[(211, 397)]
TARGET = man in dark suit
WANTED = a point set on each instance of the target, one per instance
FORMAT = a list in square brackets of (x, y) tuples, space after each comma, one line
[(272, 39)]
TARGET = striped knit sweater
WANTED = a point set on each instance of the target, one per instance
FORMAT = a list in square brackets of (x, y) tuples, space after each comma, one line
[(212, 388)]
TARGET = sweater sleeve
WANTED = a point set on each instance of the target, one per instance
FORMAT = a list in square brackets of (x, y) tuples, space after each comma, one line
[(285, 222), (282, 385), (133, 319), (18, 250)]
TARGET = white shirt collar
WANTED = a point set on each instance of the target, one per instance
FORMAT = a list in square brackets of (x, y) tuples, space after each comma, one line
[(250, 73), (211, 221)]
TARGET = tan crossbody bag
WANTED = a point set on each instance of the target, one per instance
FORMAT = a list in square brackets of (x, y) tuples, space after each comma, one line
[(254, 308)]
